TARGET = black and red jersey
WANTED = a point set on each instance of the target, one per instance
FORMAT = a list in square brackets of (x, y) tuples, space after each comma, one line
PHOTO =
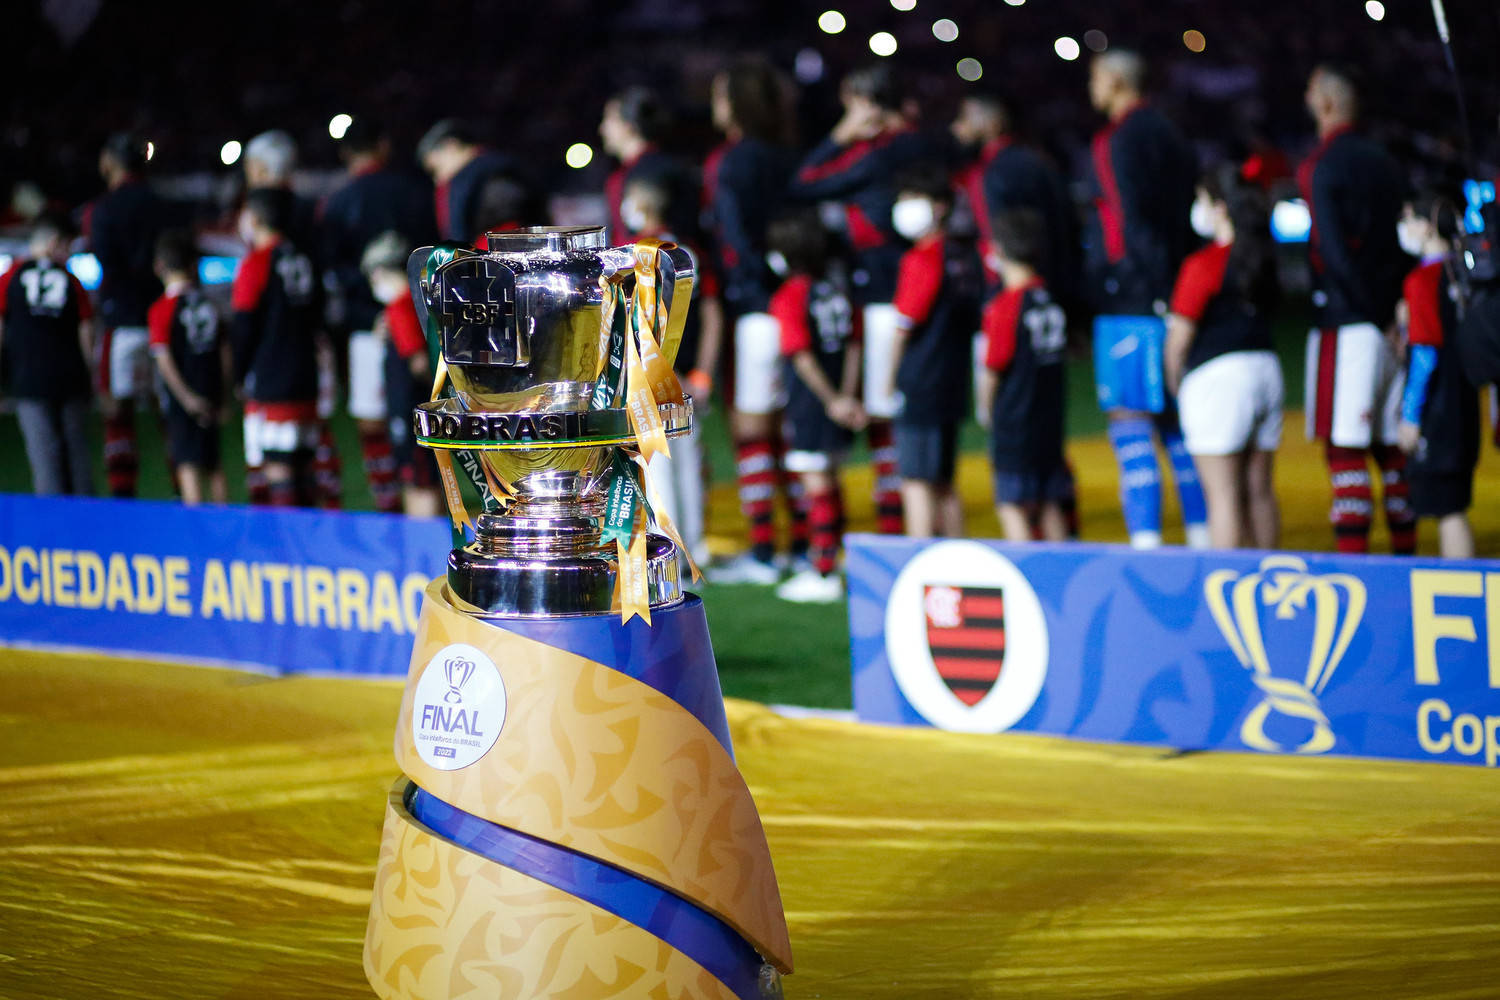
[(42, 306), (670, 173), (938, 291), (187, 324), (814, 315), (744, 182), (1008, 175), (1145, 174), (1354, 192), (121, 228), (277, 316), (1227, 319), (1450, 408), (863, 176), (1026, 339), (374, 201), (457, 202)]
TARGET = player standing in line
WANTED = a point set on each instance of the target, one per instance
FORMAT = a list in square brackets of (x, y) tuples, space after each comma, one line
[(121, 228), (999, 173), (46, 328), (1221, 363), (1354, 190), (857, 165), (820, 340), (744, 182), (277, 339), (938, 290), (375, 199), (1145, 173), (270, 161), (634, 124), (1024, 389), (193, 358), (408, 369), (678, 480), (460, 165), (1439, 427)]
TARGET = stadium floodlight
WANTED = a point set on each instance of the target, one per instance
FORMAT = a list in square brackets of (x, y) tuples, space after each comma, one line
[(832, 22), (1375, 9), (1067, 48), (338, 125), (883, 43), (150, 150), (229, 153), (970, 69), (1095, 40), (1194, 40), (579, 155), (1015, 3), (904, 4), (944, 30)]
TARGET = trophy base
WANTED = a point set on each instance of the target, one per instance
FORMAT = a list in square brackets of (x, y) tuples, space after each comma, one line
[(536, 585)]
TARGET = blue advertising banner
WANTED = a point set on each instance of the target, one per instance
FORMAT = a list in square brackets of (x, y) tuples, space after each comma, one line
[(1276, 652), (284, 590)]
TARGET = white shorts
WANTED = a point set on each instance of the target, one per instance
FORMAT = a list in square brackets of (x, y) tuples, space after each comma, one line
[(881, 403), (1231, 403), (1354, 386), (758, 385), (277, 437), (366, 376), (129, 361), (811, 461)]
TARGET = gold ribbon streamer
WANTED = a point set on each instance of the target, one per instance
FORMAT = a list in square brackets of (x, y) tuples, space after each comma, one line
[(664, 520), (632, 585), (458, 513)]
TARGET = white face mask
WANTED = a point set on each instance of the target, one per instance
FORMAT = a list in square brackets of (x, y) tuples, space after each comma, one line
[(1202, 218), (912, 217), (1408, 234), (776, 261), (386, 289), (633, 217)]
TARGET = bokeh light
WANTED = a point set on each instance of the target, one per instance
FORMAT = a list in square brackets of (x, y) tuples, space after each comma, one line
[(338, 125), (883, 43), (579, 155), (944, 30), (229, 153), (1067, 48), (832, 22), (1194, 40), (970, 69)]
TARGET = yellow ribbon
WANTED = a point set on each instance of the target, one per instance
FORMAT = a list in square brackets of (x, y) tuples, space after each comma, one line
[(457, 512)]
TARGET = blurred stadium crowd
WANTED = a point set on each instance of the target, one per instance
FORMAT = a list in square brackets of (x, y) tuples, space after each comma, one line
[(866, 192)]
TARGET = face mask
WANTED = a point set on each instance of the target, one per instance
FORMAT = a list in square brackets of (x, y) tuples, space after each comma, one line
[(777, 263), (246, 230), (912, 217), (386, 290), (1202, 219), (633, 217), (1409, 237)]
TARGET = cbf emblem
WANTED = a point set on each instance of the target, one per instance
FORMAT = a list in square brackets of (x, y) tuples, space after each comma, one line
[(966, 638), (457, 708), (1336, 602)]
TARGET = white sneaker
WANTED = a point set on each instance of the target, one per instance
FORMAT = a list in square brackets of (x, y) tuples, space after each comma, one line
[(744, 568), (812, 587), (799, 565)]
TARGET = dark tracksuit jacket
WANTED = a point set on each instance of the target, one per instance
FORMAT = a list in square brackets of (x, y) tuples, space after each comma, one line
[(744, 183)]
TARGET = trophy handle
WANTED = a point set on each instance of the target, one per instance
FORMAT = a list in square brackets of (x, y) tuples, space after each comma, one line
[(676, 286)]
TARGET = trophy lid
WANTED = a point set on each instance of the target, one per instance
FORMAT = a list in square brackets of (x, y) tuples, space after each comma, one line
[(546, 239)]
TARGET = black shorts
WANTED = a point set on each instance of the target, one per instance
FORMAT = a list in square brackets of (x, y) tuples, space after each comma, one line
[(1026, 486), (927, 453), (1438, 494), (813, 430), (189, 442)]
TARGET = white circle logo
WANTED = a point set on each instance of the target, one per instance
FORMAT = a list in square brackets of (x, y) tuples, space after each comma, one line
[(966, 638), (458, 707)]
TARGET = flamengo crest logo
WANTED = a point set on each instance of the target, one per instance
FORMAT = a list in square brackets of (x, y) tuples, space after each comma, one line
[(966, 638), (457, 708)]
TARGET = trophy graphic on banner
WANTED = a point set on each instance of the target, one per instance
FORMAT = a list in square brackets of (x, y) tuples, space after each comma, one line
[(574, 824)]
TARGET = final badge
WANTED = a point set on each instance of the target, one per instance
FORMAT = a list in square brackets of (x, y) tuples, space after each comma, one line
[(570, 821)]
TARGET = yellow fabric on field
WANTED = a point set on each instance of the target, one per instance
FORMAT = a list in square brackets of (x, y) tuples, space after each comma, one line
[(173, 832)]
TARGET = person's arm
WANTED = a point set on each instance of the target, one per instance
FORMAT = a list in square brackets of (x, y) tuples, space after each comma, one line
[(710, 342), (1198, 281), (1144, 203), (919, 280), (741, 256), (1331, 225), (1424, 331), (1180, 333), (841, 164), (190, 401), (250, 282)]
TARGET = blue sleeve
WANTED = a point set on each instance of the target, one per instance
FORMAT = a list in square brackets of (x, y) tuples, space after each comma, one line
[(1419, 369)]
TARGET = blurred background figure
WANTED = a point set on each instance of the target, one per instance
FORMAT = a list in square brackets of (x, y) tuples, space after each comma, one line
[(460, 165), (375, 198), (121, 228), (633, 129), (46, 330), (1354, 190)]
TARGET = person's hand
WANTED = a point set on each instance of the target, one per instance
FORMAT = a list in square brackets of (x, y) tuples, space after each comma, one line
[(1395, 338), (199, 409), (846, 412), (1174, 360), (700, 385), (1408, 436), (862, 120)]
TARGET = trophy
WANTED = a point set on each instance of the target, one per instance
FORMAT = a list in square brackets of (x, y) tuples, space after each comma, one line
[(570, 820)]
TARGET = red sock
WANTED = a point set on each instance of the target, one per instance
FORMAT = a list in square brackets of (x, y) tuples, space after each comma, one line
[(826, 518), (888, 519), (796, 503), (755, 465), (1352, 500), (121, 460), (281, 492), (1399, 516), (380, 470), (257, 490), (328, 483)]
